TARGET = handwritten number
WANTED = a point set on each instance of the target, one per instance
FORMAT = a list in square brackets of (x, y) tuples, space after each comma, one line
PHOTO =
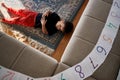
[(62, 77), (47, 79), (112, 26), (10, 75), (78, 69), (107, 39), (93, 63), (29, 78), (116, 4), (101, 50)]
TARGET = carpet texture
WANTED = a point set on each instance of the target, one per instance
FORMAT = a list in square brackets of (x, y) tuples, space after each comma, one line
[(66, 9)]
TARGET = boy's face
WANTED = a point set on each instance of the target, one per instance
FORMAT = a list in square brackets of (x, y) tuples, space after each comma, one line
[(60, 25)]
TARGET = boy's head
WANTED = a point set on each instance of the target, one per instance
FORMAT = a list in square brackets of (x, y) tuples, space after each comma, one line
[(64, 26)]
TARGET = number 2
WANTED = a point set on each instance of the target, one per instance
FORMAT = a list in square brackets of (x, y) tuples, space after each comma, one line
[(9, 75)]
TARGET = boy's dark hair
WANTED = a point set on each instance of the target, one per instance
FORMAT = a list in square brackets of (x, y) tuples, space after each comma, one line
[(68, 26)]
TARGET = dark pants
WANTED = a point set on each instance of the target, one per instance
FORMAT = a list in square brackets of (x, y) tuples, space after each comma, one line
[(37, 21)]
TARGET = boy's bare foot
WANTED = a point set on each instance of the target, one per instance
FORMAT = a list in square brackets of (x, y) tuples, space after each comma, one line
[(4, 5), (0, 19)]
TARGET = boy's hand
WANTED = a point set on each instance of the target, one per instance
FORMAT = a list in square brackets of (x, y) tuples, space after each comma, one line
[(43, 22)]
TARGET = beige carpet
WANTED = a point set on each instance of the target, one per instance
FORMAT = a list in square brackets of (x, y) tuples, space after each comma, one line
[(22, 38)]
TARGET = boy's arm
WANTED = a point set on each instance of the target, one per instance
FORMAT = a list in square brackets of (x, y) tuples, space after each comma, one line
[(43, 22), (46, 13)]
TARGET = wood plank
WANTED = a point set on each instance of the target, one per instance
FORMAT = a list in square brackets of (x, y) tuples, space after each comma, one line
[(61, 47)]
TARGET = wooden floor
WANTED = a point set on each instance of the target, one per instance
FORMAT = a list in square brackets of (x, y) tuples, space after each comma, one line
[(61, 47)]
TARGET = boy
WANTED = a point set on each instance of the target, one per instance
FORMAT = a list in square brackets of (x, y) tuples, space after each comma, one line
[(49, 21)]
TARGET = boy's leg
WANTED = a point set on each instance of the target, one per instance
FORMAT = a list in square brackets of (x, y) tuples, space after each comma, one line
[(9, 9), (20, 12), (11, 20), (4, 13)]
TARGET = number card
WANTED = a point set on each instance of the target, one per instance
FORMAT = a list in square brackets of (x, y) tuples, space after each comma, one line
[(91, 63)]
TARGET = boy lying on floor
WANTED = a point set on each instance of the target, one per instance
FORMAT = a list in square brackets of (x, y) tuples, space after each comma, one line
[(49, 22)]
